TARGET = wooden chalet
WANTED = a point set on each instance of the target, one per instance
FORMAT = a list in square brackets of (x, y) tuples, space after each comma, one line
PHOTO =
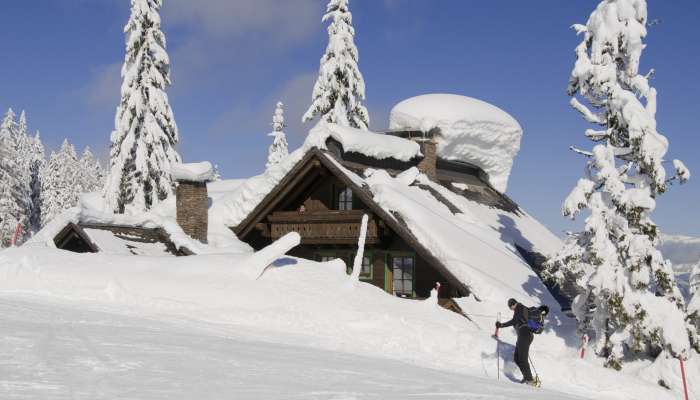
[(321, 201)]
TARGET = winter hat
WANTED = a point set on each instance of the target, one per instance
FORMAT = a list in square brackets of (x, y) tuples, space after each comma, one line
[(511, 302)]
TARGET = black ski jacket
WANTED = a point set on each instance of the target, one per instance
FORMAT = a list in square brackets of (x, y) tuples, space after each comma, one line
[(519, 318)]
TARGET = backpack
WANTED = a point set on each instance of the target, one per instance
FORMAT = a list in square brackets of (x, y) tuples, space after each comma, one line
[(535, 320)]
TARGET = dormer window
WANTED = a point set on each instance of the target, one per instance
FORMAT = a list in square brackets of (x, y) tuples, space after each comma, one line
[(343, 198)]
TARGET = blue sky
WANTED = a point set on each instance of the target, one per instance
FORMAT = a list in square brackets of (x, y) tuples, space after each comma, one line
[(233, 59)]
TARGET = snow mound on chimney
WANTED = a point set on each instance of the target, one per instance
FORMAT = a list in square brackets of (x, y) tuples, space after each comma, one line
[(471, 130)]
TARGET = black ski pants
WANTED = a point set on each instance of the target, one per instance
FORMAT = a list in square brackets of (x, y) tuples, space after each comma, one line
[(522, 351)]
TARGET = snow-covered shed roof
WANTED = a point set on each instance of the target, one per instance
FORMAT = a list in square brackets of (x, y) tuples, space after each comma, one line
[(117, 240), (471, 130)]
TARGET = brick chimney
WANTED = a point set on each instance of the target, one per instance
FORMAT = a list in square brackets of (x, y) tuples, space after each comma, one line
[(192, 199)]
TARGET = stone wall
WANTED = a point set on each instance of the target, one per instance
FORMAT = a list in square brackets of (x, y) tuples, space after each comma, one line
[(193, 209)]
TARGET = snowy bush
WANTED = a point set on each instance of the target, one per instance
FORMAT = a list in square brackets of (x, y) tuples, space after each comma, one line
[(628, 294), (340, 88)]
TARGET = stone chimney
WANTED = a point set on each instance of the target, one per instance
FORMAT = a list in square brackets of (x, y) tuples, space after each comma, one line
[(428, 165), (192, 199)]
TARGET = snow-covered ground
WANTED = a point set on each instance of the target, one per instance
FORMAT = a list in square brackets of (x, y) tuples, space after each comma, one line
[(57, 351), (212, 325)]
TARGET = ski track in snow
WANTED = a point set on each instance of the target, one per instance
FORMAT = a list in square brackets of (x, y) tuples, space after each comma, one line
[(54, 351)]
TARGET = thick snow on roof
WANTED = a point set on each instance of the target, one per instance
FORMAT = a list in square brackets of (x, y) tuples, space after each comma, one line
[(371, 144), (471, 130), (193, 172), (477, 244), (92, 209), (109, 243)]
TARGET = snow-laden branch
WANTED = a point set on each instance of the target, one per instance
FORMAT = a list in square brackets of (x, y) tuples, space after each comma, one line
[(587, 114)]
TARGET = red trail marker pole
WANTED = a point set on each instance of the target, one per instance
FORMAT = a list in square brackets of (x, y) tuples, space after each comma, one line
[(584, 344), (15, 237), (685, 385)]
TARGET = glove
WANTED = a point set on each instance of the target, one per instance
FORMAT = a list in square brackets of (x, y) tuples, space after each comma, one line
[(498, 324)]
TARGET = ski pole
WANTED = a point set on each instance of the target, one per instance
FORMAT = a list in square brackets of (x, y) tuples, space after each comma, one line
[(537, 376), (498, 348)]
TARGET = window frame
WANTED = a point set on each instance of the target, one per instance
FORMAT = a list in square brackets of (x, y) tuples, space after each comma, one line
[(390, 264), (343, 195), (348, 257)]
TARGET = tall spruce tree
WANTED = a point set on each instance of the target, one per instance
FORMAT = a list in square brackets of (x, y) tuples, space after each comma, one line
[(38, 161), (340, 89), (15, 202), (145, 134), (24, 147), (92, 176), (279, 148), (9, 210), (59, 190), (629, 298)]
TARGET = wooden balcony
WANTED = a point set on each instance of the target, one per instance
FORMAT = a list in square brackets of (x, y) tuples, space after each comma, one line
[(322, 227)]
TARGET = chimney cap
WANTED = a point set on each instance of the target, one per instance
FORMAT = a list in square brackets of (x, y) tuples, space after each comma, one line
[(193, 172)]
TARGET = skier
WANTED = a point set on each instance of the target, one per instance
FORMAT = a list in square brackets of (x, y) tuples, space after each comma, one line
[(525, 337)]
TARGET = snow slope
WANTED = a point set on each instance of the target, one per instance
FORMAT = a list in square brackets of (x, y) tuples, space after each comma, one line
[(293, 303), (57, 351)]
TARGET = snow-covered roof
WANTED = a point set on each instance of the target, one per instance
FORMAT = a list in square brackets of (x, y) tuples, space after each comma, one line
[(109, 242), (474, 241), (370, 144), (471, 130), (193, 172)]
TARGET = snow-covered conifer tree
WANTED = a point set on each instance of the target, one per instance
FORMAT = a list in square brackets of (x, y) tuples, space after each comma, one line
[(278, 149), (92, 176), (694, 307), (340, 89), (629, 298), (38, 161), (15, 193), (24, 148), (59, 190), (9, 210), (145, 133)]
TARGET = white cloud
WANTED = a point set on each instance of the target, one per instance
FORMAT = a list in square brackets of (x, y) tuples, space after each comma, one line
[(103, 89), (283, 21), (247, 119)]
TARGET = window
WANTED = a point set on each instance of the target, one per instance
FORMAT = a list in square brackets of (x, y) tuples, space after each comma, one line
[(344, 198), (366, 271), (403, 276)]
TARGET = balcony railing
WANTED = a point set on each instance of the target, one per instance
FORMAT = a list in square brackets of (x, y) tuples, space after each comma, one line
[(323, 227)]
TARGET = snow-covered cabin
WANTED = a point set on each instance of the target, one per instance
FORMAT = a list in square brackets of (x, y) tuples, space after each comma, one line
[(431, 186)]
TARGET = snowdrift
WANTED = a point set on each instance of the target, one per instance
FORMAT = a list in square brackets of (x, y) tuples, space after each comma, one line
[(472, 131), (315, 305)]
